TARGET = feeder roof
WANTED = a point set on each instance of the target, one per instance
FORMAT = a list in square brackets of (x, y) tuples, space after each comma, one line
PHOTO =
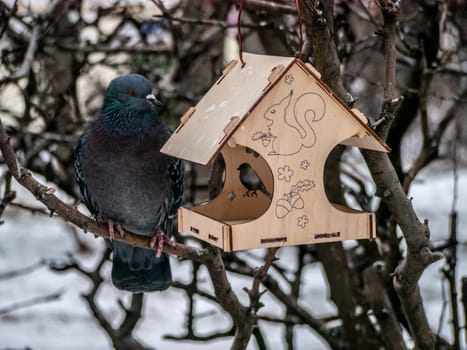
[(205, 128)]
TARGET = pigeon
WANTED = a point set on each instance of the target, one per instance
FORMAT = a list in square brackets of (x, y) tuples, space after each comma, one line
[(252, 182), (127, 182)]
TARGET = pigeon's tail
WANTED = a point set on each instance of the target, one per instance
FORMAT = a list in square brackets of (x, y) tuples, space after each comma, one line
[(139, 270)]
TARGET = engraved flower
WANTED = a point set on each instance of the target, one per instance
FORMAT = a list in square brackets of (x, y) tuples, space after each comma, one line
[(302, 221), (304, 164), (289, 79), (285, 173)]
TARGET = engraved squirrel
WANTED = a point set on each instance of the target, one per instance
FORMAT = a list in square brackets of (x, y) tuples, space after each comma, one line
[(307, 109)]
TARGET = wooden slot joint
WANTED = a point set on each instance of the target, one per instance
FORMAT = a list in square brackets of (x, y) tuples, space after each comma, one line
[(372, 224), (185, 117), (360, 133), (313, 70), (282, 239), (213, 237), (229, 128), (227, 238), (360, 115), (275, 72), (327, 235), (226, 71)]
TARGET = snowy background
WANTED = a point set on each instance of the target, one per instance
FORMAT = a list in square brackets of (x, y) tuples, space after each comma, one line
[(66, 323)]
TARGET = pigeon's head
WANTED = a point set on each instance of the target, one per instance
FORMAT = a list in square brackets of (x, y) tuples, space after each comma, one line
[(133, 91)]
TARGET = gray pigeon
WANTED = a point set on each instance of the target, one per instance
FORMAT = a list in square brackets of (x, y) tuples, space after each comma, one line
[(126, 181)]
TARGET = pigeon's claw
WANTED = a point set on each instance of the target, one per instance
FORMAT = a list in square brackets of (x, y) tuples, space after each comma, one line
[(159, 238), (111, 226), (120, 230)]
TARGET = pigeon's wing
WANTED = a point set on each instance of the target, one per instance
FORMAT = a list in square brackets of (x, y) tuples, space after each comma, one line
[(85, 193)]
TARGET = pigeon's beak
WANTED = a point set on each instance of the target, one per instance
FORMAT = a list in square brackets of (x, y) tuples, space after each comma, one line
[(154, 101)]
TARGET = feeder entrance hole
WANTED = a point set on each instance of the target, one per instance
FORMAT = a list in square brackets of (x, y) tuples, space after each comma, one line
[(236, 203)]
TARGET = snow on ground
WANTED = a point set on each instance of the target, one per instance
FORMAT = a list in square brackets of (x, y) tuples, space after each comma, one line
[(66, 323)]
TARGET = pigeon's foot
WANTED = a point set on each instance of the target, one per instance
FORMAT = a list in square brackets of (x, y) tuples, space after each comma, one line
[(159, 238), (111, 226)]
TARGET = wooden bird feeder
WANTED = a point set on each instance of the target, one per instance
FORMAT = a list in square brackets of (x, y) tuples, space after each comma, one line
[(275, 114)]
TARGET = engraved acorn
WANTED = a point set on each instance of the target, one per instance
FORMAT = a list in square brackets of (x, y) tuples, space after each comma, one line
[(283, 207), (297, 202)]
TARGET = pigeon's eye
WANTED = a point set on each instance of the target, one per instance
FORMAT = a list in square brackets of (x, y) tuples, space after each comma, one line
[(131, 92)]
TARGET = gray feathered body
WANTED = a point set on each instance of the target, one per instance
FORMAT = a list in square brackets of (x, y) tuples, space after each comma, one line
[(128, 177)]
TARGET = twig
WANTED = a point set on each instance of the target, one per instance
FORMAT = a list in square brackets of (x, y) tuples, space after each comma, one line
[(203, 338), (444, 305), (245, 328), (451, 258), (390, 10), (22, 271), (430, 150), (147, 49), (271, 7), (292, 306), (121, 336), (8, 194), (6, 20), (25, 67), (30, 302), (210, 22), (367, 12), (464, 302), (376, 296), (450, 274), (295, 293), (33, 210)]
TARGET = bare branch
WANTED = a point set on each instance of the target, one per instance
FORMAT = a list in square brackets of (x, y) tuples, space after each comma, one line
[(31, 302), (270, 7), (22, 271), (6, 20), (245, 329), (390, 10), (464, 299), (25, 67), (377, 297)]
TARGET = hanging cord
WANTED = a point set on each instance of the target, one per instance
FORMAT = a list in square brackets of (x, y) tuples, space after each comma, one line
[(300, 34), (239, 32)]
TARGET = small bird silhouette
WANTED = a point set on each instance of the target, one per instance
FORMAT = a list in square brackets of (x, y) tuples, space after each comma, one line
[(252, 182)]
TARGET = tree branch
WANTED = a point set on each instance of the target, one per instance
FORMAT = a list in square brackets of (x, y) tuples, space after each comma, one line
[(377, 297), (245, 329), (416, 234), (25, 67), (27, 303)]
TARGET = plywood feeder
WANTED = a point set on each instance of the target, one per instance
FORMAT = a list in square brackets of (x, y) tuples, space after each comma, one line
[(275, 114)]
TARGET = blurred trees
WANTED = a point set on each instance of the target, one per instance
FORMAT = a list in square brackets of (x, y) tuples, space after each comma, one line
[(401, 63)]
